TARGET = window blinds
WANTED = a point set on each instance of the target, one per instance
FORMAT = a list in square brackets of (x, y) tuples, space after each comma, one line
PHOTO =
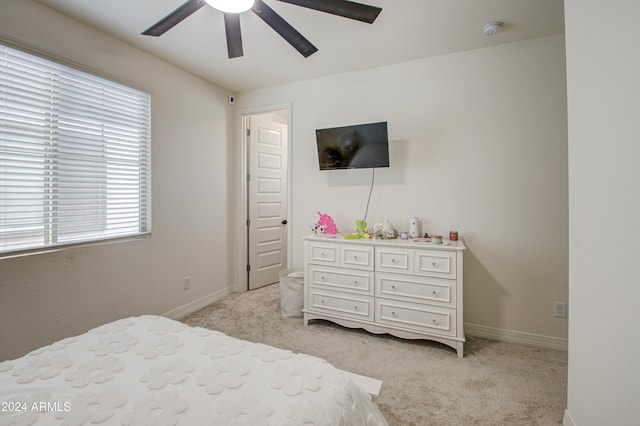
[(74, 155)]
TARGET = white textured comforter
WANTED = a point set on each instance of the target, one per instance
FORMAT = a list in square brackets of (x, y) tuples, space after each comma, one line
[(152, 370)]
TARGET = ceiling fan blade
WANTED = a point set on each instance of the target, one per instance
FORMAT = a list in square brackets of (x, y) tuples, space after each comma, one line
[(282, 27), (344, 8), (234, 35), (174, 18)]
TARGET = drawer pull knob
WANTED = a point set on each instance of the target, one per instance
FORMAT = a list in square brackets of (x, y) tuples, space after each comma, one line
[(393, 261), (434, 264), (322, 301), (393, 313), (322, 278), (355, 308), (435, 293), (356, 282), (355, 257), (322, 254), (393, 287), (434, 320)]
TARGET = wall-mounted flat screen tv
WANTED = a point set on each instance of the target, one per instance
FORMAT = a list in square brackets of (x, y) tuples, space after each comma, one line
[(360, 146)]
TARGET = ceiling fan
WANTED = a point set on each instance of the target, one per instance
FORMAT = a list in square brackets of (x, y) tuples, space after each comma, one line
[(233, 8)]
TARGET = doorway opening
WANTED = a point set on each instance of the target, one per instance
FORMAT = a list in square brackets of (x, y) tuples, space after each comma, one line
[(266, 164)]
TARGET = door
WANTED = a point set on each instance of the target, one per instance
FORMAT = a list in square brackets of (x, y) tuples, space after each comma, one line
[(267, 203)]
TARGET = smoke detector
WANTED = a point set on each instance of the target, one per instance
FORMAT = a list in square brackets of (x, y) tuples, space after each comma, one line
[(492, 28)]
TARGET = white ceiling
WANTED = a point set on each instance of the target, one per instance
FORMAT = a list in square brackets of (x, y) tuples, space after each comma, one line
[(405, 30)]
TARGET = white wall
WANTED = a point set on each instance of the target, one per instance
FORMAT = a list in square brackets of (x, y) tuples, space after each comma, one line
[(49, 296), (478, 144), (604, 183)]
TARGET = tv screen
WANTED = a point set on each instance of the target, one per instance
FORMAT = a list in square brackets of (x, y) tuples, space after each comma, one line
[(361, 146)]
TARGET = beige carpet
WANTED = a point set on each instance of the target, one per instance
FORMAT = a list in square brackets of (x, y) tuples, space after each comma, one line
[(424, 383)]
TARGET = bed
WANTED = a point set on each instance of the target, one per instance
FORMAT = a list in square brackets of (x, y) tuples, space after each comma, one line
[(153, 370)]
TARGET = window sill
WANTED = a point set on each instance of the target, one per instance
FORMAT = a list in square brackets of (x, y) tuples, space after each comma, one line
[(70, 246)]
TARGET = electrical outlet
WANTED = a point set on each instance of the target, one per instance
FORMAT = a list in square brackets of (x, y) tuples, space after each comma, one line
[(186, 283), (560, 310)]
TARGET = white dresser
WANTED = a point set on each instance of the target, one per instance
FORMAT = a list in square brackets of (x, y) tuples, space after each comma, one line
[(411, 290)]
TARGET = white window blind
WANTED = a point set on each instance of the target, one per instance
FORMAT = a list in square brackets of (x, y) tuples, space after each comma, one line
[(74, 156)]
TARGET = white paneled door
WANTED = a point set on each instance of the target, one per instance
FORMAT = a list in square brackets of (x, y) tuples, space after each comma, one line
[(267, 204)]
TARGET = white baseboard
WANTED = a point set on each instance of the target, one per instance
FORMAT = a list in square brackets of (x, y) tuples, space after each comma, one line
[(511, 336), (567, 420), (184, 310)]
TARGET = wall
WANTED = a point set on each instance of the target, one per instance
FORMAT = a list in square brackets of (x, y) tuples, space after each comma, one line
[(604, 193), (46, 297), (478, 144)]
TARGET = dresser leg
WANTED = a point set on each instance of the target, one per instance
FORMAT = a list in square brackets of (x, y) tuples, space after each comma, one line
[(460, 349)]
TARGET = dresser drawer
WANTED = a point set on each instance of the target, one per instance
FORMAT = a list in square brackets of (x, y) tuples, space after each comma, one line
[(416, 316), (343, 304), (414, 288), (394, 260), (341, 279), (435, 263), (323, 254), (359, 257)]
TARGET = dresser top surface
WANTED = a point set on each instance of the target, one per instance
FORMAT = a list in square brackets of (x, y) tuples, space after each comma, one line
[(410, 243)]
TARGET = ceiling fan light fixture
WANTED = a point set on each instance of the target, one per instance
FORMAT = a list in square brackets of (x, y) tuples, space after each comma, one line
[(231, 6)]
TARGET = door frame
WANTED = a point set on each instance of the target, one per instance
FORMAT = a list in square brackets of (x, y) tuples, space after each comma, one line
[(242, 233)]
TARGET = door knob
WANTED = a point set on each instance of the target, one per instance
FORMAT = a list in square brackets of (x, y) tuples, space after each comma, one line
[(284, 222)]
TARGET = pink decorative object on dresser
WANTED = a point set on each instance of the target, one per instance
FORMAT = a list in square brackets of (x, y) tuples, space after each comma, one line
[(330, 226)]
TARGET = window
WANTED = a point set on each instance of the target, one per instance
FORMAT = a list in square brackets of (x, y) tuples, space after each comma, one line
[(74, 156)]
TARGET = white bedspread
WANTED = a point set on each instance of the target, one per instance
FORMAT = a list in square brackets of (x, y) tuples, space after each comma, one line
[(151, 370)]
